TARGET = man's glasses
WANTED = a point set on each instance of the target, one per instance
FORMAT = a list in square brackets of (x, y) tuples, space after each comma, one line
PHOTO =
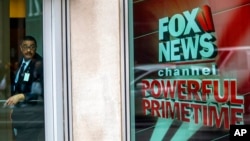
[(25, 47)]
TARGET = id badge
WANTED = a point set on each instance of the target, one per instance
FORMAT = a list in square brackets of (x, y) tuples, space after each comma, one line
[(26, 77)]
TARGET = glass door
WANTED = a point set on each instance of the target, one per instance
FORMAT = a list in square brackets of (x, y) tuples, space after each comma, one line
[(21, 62), (32, 52)]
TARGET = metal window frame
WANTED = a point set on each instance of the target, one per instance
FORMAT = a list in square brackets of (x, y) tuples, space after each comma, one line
[(57, 70), (124, 37)]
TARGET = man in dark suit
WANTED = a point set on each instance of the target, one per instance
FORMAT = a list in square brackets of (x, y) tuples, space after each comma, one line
[(27, 93)]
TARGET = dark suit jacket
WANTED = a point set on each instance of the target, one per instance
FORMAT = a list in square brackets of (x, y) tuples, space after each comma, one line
[(29, 114), (35, 72)]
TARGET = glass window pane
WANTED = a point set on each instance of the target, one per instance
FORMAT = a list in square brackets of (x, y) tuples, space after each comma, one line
[(188, 68), (21, 71)]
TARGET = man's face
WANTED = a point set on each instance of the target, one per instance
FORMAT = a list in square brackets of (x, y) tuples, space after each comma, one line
[(28, 49)]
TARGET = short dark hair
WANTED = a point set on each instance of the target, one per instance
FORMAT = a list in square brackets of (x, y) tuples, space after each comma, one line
[(29, 38)]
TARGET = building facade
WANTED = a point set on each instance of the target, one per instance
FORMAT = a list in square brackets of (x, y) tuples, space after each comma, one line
[(93, 49)]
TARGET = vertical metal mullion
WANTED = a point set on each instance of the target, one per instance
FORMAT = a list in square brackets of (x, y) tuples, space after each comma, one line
[(67, 71), (47, 53), (53, 80)]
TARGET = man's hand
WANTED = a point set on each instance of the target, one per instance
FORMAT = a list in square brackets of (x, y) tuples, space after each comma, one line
[(13, 100)]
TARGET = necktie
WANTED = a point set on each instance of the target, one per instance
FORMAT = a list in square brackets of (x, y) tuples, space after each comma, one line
[(20, 76)]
